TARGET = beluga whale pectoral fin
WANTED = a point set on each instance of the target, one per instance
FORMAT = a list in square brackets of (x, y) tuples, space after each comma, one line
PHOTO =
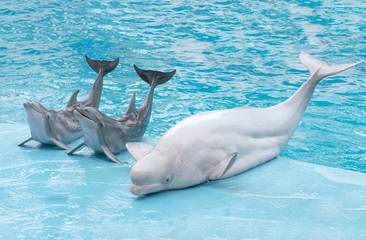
[(139, 149), (73, 99), (222, 167)]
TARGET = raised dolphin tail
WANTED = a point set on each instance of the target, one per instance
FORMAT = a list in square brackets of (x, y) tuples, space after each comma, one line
[(321, 69), (104, 66), (154, 78)]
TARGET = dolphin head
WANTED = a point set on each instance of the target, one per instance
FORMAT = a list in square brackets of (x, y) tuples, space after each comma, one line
[(89, 116), (38, 118), (93, 123)]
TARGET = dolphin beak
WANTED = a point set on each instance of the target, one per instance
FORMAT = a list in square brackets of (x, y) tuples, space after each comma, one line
[(26, 105), (78, 112)]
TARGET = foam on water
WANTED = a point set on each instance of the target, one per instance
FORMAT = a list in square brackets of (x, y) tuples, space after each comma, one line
[(227, 54)]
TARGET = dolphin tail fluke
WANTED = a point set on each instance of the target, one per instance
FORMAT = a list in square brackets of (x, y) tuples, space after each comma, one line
[(154, 78), (104, 66), (24, 142), (320, 68)]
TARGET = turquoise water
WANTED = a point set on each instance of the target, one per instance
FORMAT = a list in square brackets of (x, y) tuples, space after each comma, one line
[(227, 54)]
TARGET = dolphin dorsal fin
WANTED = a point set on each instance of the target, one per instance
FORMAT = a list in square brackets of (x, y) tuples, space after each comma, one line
[(139, 149), (132, 106), (222, 167), (73, 99)]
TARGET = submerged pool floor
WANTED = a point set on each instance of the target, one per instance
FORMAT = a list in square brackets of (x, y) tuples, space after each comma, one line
[(47, 194)]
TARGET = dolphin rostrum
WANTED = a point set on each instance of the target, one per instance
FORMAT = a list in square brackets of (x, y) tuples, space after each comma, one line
[(60, 128), (110, 135), (220, 144)]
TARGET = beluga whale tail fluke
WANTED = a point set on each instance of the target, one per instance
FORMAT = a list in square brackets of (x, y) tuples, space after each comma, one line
[(320, 68), (109, 135), (220, 144), (60, 128)]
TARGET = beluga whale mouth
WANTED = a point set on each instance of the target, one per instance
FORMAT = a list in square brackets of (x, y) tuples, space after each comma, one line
[(109, 135), (61, 128), (219, 144)]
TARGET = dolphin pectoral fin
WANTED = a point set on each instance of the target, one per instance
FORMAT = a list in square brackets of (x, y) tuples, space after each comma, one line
[(139, 149), (60, 144), (132, 106), (24, 142), (222, 167), (110, 155), (73, 99), (81, 145)]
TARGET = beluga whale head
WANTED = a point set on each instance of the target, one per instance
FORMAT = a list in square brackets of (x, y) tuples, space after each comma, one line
[(168, 167), (143, 180)]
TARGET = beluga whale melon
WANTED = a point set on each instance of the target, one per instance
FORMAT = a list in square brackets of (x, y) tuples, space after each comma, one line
[(109, 135), (61, 128), (220, 144)]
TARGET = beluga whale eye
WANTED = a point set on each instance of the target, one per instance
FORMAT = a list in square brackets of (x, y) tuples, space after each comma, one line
[(167, 179)]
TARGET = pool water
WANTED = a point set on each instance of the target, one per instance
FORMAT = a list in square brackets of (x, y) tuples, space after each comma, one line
[(227, 54)]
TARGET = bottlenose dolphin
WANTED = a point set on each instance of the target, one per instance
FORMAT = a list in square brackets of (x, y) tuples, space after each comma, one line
[(110, 135), (220, 144), (60, 128)]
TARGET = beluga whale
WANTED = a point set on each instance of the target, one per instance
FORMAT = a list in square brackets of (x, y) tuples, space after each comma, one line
[(61, 128), (109, 135), (220, 144)]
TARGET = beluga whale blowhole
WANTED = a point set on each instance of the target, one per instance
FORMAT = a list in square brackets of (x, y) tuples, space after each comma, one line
[(220, 144), (61, 128), (109, 135)]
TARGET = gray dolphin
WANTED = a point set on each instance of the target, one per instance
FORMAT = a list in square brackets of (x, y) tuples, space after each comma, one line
[(60, 128), (110, 135)]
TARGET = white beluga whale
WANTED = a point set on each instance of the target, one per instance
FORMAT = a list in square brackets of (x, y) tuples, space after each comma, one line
[(109, 135), (61, 128), (220, 144)]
